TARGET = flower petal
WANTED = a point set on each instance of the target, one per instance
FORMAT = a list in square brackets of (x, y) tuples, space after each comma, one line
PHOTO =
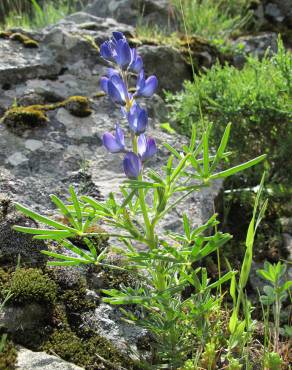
[(120, 139), (123, 57), (150, 87), (138, 119), (109, 141), (151, 149), (132, 165), (142, 144), (146, 147), (105, 51)]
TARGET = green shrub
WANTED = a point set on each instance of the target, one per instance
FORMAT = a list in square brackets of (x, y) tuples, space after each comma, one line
[(256, 99), (32, 285)]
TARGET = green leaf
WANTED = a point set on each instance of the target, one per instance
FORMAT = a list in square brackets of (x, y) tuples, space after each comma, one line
[(186, 226), (47, 232), (236, 169), (43, 219), (64, 210), (222, 146), (76, 205), (172, 150), (206, 154)]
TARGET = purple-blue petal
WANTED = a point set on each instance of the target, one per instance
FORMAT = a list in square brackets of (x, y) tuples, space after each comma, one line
[(105, 50), (123, 57), (150, 87), (151, 149), (120, 139), (142, 145), (114, 93), (146, 147), (141, 80), (138, 119), (138, 65), (109, 141), (132, 165), (118, 35)]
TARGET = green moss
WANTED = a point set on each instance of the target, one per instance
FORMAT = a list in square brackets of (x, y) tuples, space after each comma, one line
[(8, 356), (78, 106), (75, 299), (68, 346), (25, 40), (32, 285), (34, 115), (5, 34), (19, 117), (82, 351)]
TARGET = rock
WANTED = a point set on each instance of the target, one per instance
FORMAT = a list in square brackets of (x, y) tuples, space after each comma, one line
[(106, 321), (29, 360), (26, 318), (255, 45), (154, 12), (18, 63), (14, 244), (274, 15), (160, 60)]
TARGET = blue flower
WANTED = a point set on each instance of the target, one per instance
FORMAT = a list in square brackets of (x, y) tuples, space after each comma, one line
[(138, 119), (146, 88), (115, 87), (114, 144), (117, 50), (132, 165), (136, 64), (146, 147)]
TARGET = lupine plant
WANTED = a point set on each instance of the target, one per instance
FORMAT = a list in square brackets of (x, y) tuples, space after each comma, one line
[(173, 293)]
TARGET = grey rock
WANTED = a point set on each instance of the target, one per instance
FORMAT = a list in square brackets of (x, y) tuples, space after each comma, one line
[(256, 45), (28, 317), (154, 12), (29, 360), (167, 64), (274, 14), (106, 321), (18, 63)]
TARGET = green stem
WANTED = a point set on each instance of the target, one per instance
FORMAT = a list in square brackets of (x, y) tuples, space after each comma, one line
[(149, 230)]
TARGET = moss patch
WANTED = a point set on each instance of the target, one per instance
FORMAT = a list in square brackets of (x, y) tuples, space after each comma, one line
[(8, 356), (18, 118), (24, 117), (82, 351), (23, 39), (78, 106), (32, 285)]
